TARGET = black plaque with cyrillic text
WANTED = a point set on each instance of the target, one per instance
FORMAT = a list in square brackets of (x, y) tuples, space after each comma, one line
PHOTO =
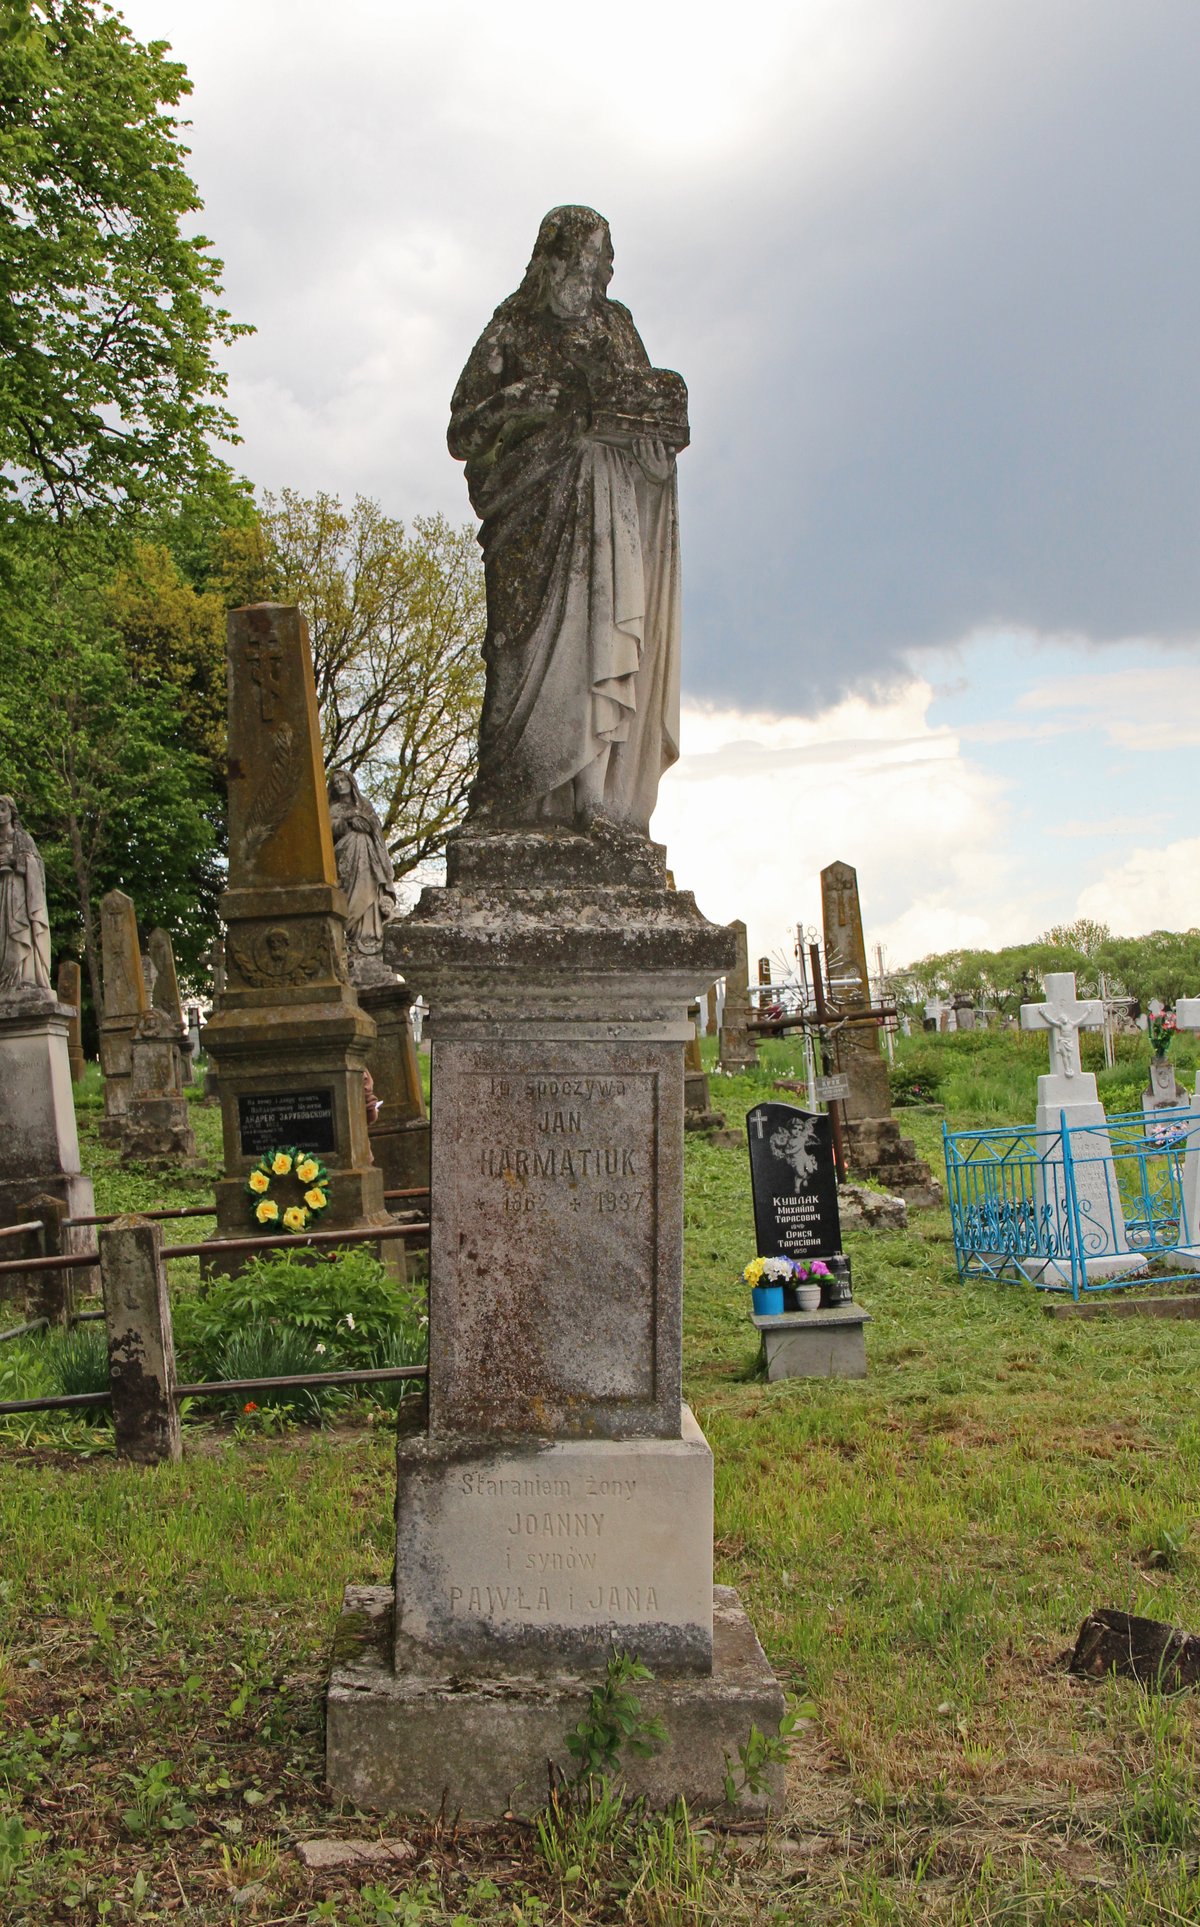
[(794, 1182), (269, 1120)]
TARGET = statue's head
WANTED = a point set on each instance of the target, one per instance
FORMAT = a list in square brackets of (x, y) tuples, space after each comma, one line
[(8, 813), (342, 788), (571, 264)]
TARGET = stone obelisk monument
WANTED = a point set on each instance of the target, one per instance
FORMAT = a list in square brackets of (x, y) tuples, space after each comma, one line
[(874, 1144), (400, 1129), (559, 1502), (289, 1039)]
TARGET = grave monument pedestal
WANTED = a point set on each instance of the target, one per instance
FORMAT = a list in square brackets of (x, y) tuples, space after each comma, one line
[(814, 1344), (400, 1136), (560, 1502), (37, 1115), (156, 1126), (1068, 1097)]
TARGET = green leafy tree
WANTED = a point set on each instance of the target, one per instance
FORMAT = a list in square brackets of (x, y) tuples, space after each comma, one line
[(1000, 979), (92, 747), (172, 638), (110, 393), (396, 616), (1164, 964), (1085, 935)]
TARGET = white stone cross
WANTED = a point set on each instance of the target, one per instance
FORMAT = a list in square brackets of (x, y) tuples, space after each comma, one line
[(1187, 1017), (1064, 1016)]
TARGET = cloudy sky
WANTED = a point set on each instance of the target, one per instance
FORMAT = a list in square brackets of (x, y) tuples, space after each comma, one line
[(932, 273)]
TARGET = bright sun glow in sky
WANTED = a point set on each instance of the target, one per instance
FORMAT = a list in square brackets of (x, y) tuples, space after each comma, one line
[(931, 274)]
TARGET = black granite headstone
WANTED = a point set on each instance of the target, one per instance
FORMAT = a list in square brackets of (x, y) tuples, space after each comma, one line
[(794, 1182), (269, 1121)]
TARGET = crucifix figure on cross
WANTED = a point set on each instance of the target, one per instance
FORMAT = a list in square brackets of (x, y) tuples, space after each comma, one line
[(1064, 1015)]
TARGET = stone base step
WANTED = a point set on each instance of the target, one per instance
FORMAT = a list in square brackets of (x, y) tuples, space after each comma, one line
[(484, 1745)]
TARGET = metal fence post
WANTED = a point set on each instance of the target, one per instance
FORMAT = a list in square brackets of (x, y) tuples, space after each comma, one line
[(1078, 1265), (141, 1347)]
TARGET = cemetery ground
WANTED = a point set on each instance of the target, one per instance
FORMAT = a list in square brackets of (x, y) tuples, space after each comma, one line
[(916, 1551)]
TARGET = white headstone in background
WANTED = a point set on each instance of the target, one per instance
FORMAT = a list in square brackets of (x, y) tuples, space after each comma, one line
[(1068, 1097), (1187, 1256)]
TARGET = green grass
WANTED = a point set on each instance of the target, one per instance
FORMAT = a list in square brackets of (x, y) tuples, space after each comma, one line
[(916, 1550)]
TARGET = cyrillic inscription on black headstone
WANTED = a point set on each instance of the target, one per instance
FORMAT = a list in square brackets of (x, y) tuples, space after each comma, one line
[(794, 1182), (269, 1120)]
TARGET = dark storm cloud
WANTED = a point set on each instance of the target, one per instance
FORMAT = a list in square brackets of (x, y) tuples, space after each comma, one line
[(941, 334), (983, 400)]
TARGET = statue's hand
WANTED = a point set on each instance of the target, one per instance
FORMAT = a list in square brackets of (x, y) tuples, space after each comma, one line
[(654, 458), (542, 397)]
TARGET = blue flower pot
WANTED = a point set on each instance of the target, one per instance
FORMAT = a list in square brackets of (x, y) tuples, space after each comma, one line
[(768, 1300)]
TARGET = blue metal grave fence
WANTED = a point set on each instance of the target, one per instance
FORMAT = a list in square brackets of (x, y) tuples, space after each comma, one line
[(1082, 1209)]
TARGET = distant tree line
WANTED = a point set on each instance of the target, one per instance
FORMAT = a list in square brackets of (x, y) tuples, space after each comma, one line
[(1165, 964)]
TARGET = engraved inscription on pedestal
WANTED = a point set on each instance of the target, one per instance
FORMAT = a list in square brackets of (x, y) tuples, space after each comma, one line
[(542, 1555), (547, 1291), (269, 1120)]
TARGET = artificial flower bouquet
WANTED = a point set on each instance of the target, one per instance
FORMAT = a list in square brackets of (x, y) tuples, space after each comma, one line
[(300, 1184), (770, 1278), (1161, 1028)]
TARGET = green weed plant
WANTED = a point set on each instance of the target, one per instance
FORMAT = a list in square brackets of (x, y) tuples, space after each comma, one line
[(349, 1306)]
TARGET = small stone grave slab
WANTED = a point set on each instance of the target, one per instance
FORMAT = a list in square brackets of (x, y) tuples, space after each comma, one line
[(815, 1344), (1164, 1092), (336, 1856)]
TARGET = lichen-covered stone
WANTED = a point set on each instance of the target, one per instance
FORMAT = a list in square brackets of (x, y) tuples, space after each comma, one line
[(288, 1025), (569, 438)]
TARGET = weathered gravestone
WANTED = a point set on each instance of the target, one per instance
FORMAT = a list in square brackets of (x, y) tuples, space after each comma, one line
[(288, 1037), (156, 1128), (1165, 1092), (1087, 1216), (1187, 1255), (37, 1106), (710, 1011), (874, 1145), (699, 1117), (400, 1132), (560, 1501), (737, 1049), (70, 993), (124, 1004), (793, 1182), (145, 1111)]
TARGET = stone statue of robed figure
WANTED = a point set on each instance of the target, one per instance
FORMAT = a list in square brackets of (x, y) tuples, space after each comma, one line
[(24, 919), (558, 966), (569, 438), (364, 866)]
